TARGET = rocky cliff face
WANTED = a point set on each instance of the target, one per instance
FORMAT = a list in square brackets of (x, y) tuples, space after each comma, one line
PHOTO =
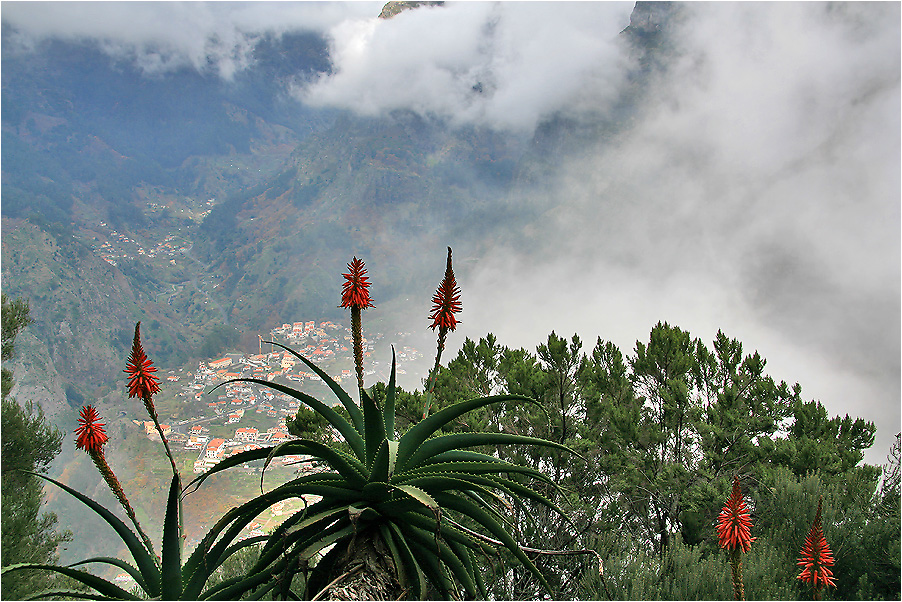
[(397, 7)]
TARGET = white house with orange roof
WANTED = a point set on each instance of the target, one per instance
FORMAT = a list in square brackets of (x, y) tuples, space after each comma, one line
[(215, 449), (196, 441), (246, 434), (220, 363)]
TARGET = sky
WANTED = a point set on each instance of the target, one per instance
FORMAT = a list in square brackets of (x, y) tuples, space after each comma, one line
[(758, 191)]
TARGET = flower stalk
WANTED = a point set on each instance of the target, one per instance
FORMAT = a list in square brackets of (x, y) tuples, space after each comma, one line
[(734, 533), (142, 383), (91, 438), (356, 296), (445, 304)]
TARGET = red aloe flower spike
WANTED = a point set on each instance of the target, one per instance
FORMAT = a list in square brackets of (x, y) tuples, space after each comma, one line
[(91, 436), (446, 301), (355, 291), (141, 381), (816, 557), (734, 523), (734, 530), (355, 294)]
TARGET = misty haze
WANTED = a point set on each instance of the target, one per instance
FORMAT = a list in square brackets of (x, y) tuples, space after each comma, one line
[(602, 170)]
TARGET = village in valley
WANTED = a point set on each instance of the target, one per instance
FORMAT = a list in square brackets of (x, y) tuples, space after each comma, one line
[(238, 416)]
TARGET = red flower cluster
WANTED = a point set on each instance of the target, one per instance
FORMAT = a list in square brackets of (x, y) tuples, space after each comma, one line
[(816, 556), (734, 524), (446, 301), (91, 435), (141, 381), (355, 291)]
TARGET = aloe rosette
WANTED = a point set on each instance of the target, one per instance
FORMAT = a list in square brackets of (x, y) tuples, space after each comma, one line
[(411, 492)]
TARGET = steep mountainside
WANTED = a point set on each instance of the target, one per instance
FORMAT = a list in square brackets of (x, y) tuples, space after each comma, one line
[(196, 204), (189, 202)]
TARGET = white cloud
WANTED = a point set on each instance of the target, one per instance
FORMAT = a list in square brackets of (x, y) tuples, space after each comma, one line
[(504, 65), (161, 36), (527, 59), (758, 192)]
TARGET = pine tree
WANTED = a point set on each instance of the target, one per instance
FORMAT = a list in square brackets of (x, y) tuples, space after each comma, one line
[(29, 443)]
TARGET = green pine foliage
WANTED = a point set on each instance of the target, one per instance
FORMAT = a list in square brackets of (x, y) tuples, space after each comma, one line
[(664, 428), (29, 443)]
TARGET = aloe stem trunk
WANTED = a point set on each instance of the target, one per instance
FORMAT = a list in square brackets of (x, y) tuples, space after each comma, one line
[(116, 487), (148, 404), (357, 333), (433, 376), (736, 566)]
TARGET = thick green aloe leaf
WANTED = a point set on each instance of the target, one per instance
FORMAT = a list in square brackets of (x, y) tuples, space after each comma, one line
[(465, 555), (102, 586), (301, 519), (449, 532), (454, 441), (215, 556), (416, 580), (353, 471), (349, 432), (514, 489), (250, 541), (244, 543), (171, 572), (250, 455), (496, 467), (373, 427), (519, 490), (446, 482), (439, 548), (420, 496), (206, 556), (411, 441), (389, 411), (310, 526), (460, 455), (480, 583), (67, 594), (118, 563), (404, 568), (348, 466), (310, 515), (263, 591), (140, 554), (384, 462), (329, 536), (235, 587), (238, 586), (476, 513), (432, 567), (343, 397)]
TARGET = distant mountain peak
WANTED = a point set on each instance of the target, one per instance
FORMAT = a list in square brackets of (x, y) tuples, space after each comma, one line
[(396, 7)]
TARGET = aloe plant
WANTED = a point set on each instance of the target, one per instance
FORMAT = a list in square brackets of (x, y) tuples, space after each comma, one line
[(390, 519)]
